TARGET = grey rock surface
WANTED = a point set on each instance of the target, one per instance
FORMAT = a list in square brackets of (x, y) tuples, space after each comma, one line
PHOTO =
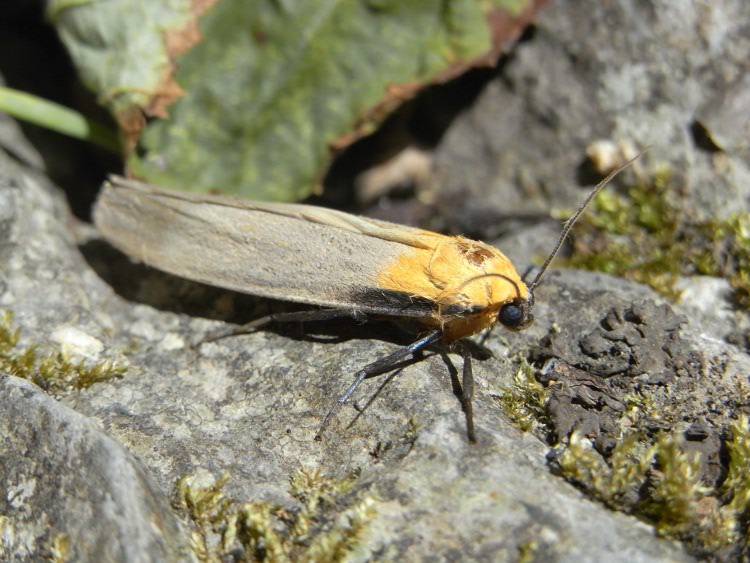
[(661, 73), (73, 492), (249, 407)]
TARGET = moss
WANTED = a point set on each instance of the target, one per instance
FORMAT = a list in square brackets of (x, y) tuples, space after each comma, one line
[(612, 482), (728, 524), (737, 483), (528, 552), (53, 371), (59, 548), (663, 476), (649, 235), (658, 480), (206, 507), (524, 402), (639, 405), (727, 253), (673, 501), (328, 524)]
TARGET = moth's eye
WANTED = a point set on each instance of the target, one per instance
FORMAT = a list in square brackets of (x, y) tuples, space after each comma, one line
[(511, 315)]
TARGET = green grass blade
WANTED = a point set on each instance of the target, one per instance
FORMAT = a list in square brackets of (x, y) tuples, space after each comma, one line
[(50, 115)]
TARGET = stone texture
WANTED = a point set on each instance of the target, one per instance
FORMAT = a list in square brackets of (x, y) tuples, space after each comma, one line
[(659, 73), (249, 407), (66, 481)]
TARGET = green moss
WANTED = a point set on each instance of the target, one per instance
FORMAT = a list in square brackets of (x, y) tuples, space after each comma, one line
[(59, 548), (737, 482), (728, 523), (727, 253), (658, 480), (328, 524), (524, 402), (608, 482), (206, 507), (528, 552), (53, 371), (639, 405), (650, 235), (662, 476), (673, 502)]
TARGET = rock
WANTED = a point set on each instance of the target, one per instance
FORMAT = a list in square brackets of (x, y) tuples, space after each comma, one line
[(249, 407), (644, 73), (638, 348), (73, 492)]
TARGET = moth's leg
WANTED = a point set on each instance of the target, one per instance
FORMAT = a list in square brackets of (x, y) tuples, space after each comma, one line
[(378, 366), (290, 317), (467, 392), (394, 371)]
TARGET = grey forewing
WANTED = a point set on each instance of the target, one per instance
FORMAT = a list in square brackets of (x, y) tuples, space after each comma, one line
[(255, 252)]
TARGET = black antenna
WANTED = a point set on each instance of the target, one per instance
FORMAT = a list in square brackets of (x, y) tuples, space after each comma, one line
[(570, 222)]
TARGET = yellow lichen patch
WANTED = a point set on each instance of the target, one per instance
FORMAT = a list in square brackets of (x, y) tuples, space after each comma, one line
[(457, 272)]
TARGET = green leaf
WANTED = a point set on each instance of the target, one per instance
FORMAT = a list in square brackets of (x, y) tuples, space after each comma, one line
[(275, 83), (124, 50)]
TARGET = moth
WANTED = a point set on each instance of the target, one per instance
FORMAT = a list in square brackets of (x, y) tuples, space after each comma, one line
[(449, 287)]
